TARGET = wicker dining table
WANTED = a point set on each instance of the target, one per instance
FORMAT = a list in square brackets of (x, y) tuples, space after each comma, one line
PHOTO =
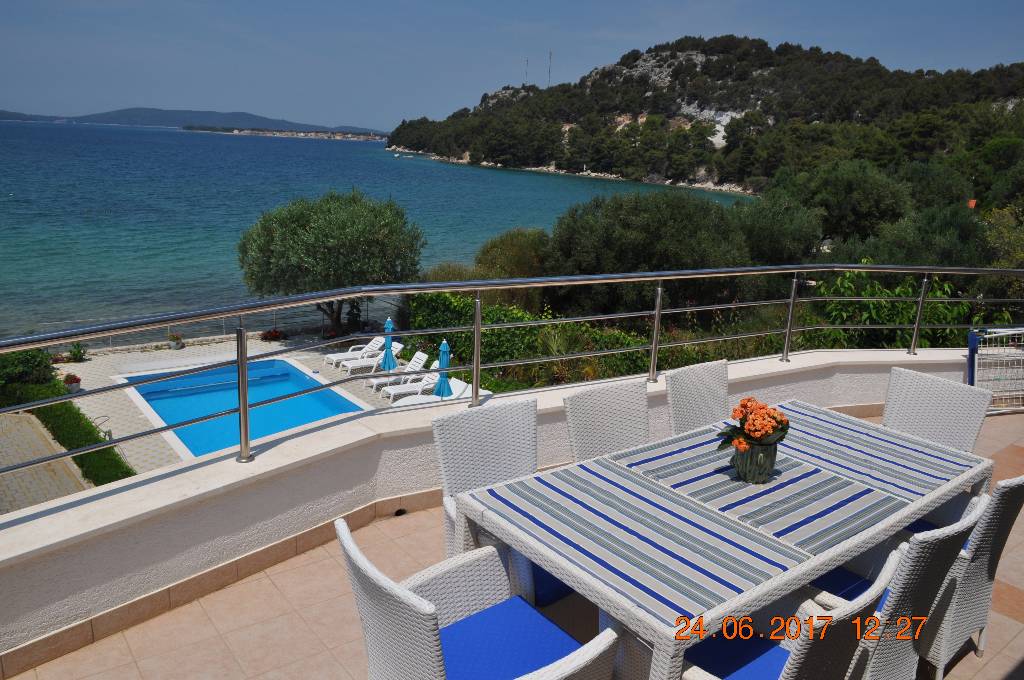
[(667, 530)]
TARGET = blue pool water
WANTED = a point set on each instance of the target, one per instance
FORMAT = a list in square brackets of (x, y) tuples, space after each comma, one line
[(215, 390)]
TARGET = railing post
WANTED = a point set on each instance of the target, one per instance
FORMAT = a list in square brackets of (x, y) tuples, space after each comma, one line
[(920, 313), (652, 374), (793, 291), (477, 330), (242, 356)]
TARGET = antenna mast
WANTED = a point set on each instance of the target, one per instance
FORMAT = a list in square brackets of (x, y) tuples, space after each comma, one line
[(526, 74), (550, 57)]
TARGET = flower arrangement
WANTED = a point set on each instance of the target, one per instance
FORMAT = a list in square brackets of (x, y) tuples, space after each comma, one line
[(273, 334), (755, 438), (175, 341), (72, 382)]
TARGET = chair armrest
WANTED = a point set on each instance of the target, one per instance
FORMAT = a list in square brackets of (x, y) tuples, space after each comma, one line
[(691, 672), (593, 661), (457, 536), (462, 585)]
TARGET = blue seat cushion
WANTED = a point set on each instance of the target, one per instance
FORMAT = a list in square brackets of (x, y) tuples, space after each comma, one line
[(505, 640), (753, 659), (843, 583), (847, 585), (547, 588), (919, 526)]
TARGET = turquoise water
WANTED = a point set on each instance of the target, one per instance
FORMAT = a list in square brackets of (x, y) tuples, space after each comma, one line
[(201, 394), (106, 222)]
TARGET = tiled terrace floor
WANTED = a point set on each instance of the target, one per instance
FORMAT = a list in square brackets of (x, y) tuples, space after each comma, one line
[(297, 620)]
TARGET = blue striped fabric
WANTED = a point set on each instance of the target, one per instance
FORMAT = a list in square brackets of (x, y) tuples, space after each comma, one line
[(805, 505), (667, 553)]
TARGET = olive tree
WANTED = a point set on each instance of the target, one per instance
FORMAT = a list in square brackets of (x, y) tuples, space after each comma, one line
[(335, 241)]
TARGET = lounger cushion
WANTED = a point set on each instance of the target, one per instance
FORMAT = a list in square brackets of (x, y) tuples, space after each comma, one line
[(505, 640), (753, 659)]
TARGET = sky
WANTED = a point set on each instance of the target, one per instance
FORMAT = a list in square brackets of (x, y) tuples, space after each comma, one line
[(335, 62)]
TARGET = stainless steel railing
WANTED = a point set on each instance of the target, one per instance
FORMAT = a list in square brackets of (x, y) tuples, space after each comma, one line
[(477, 288)]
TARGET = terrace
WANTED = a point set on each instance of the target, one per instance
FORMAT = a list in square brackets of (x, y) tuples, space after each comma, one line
[(226, 565)]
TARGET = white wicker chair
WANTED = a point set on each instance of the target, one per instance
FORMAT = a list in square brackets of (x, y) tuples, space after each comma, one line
[(607, 419), (936, 409), (449, 620), (972, 577), (918, 588), (831, 655), (479, 447), (698, 395)]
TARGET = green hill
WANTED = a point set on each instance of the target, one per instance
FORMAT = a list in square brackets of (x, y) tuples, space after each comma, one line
[(732, 109)]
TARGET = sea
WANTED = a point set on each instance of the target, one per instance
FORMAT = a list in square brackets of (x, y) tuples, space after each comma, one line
[(101, 223)]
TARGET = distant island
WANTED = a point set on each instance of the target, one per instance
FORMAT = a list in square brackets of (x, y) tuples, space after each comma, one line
[(312, 134), (175, 118)]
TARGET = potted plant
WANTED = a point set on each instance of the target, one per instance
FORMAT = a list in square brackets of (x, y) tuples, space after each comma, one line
[(755, 438), (175, 341), (72, 382)]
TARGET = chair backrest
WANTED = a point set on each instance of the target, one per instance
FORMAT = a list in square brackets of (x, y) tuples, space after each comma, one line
[(401, 630), (374, 345), (989, 538), (698, 395), (417, 361), (831, 655), (936, 409), (487, 445), (607, 419), (919, 588)]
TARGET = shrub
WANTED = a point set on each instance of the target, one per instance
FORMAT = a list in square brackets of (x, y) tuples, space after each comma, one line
[(32, 366), (273, 335), (77, 353), (71, 428)]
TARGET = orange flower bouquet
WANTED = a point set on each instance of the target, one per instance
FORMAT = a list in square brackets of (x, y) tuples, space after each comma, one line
[(755, 438)]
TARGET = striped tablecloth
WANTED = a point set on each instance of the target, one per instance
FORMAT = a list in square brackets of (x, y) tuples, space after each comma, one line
[(667, 530)]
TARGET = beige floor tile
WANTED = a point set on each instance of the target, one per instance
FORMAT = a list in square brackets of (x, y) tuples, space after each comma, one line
[(335, 621), (426, 547), (1011, 566), (110, 652), (244, 605), (273, 644), (967, 667), (126, 672), (323, 666), (394, 527), (207, 660), (27, 675), (313, 583), (392, 560), (317, 554), (1001, 630), (177, 628), (367, 536), (352, 657), (1002, 667)]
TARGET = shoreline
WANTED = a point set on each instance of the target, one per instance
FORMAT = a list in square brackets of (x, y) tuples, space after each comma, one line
[(724, 188)]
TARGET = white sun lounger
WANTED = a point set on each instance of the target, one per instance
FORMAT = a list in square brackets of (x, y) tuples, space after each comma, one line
[(426, 382), (460, 390), (415, 364), (370, 361), (355, 352)]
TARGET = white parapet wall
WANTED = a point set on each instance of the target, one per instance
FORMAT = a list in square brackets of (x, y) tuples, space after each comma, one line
[(69, 560)]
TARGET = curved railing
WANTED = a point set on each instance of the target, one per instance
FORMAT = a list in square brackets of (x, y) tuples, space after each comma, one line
[(477, 288)]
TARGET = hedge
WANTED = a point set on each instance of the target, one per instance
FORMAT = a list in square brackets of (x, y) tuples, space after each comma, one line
[(71, 428)]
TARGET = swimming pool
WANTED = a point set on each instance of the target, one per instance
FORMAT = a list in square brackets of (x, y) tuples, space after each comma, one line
[(215, 390)]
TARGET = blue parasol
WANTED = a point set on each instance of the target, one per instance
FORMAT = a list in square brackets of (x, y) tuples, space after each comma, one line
[(443, 388), (388, 363)]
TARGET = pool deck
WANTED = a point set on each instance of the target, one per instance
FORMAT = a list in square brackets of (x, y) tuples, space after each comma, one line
[(117, 412)]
